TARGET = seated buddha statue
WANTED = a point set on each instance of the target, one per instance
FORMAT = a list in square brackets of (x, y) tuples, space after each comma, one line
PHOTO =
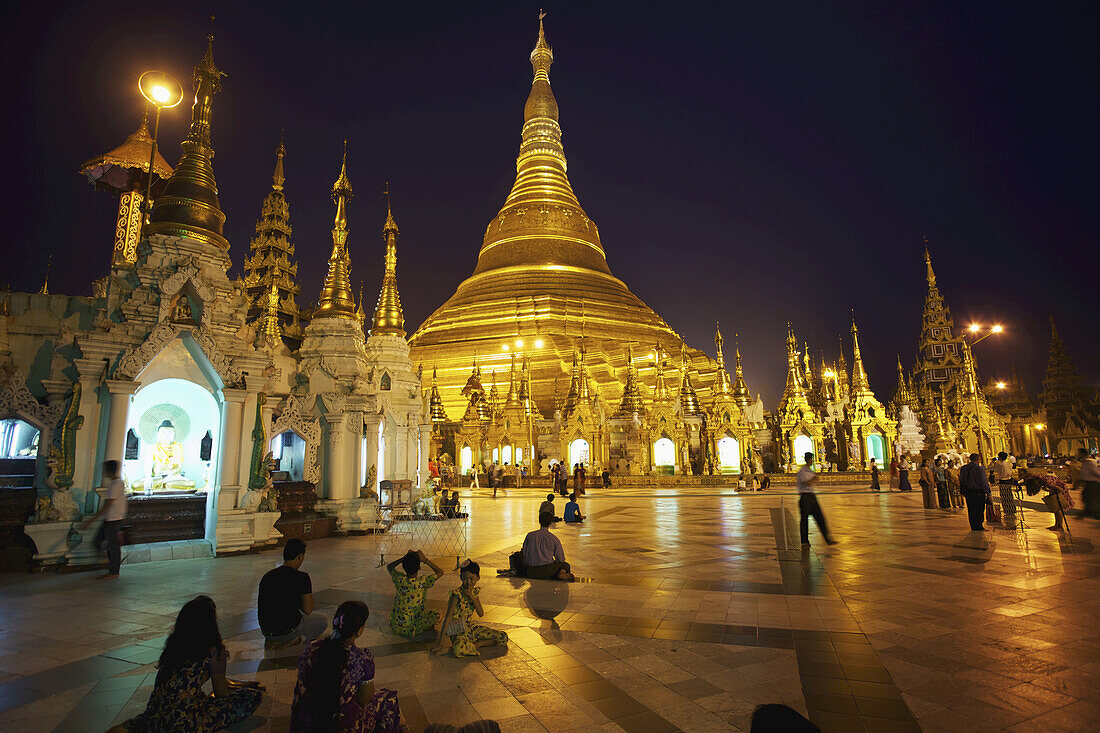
[(166, 471)]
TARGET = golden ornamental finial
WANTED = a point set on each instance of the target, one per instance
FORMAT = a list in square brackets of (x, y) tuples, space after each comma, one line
[(45, 290), (278, 178), (336, 298), (388, 316)]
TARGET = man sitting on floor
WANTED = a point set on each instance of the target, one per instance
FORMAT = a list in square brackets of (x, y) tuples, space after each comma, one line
[(547, 507), (573, 511), (285, 603), (543, 555)]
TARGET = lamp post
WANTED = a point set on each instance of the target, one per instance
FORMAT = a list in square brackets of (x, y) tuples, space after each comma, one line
[(163, 92), (976, 328)]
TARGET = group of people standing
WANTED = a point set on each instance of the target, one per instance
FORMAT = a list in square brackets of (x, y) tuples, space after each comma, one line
[(559, 478)]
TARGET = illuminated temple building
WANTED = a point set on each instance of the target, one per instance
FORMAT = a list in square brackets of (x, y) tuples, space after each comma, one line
[(240, 416)]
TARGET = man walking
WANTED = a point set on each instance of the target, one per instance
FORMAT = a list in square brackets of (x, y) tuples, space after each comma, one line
[(113, 512), (1088, 478), (974, 486), (808, 505), (285, 604)]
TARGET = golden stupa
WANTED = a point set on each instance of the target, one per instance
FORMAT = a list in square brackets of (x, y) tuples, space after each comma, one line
[(542, 286)]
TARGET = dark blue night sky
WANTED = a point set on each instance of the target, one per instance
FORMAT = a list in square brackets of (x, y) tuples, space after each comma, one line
[(752, 164)]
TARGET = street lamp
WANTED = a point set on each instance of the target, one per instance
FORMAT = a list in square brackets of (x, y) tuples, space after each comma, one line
[(163, 92), (975, 328)]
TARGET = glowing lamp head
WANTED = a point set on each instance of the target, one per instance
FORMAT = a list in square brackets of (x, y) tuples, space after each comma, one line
[(1000, 385), (1040, 426), (504, 347), (998, 329), (160, 89), (538, 343), (974, 328), (519, 343), (830, 373)]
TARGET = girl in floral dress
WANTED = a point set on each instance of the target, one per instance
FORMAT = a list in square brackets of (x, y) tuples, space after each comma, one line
[(409, 617), (463, 637), (335, 688), (193, 654)]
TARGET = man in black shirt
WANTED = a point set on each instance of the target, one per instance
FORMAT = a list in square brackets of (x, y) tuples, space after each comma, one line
[(285, 603)]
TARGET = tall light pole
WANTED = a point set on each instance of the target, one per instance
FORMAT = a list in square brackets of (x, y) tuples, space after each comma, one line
[(163, 92), (975, 328)]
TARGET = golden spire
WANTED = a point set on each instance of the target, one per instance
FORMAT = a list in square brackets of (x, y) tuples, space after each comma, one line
[(45, 289), (271, 313), (807, 371), (689, 401), (388, 318), (794, 370), (741, 394), (336, 298), (901, 394), (189, 205), (573, 396), (632, 400), (585, 393), (722, 385), (859, 374), (513, 399), (435, 402), (930, 275), (660, 388), (278, 178), (360, 314), (541, 208)]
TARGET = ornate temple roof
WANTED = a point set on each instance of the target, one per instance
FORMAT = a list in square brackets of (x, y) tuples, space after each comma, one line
[(125, 166)]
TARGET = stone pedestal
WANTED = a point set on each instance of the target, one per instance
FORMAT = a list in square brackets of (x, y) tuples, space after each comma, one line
[(165, 517), (300, 519), (50, 541), (353, 516)]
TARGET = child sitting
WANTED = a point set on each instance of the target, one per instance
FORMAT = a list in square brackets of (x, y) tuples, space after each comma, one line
[(457, 632), (573, 511)]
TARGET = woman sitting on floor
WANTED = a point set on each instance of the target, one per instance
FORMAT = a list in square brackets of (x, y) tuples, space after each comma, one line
[(457, 632), (193, 654), (409, 618), (335, 688)]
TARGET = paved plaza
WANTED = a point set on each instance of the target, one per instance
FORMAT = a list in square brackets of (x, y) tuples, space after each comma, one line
[(689, 611)]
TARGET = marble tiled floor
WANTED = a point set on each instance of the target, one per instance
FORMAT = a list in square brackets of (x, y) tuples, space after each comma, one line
[(691, 610)]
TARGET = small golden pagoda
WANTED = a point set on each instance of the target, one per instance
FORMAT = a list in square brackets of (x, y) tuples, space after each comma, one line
[(801, 432), (270, 266)]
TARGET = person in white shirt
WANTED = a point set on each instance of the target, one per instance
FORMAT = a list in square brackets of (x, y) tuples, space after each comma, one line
[(1088, 478), (543, 554), (113, 512), (808, 505), (1006, 482)]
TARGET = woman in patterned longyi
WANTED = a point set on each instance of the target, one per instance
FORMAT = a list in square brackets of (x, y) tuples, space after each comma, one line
[(193, 654), (335, 687)]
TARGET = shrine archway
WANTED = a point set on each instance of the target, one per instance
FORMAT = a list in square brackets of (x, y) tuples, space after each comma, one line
[(466, 459), (578, 452), (876, 448), (729, 454), (802, 445), (664, 452)]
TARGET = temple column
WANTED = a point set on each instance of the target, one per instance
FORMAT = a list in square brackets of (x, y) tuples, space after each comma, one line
[(248, 424), (401, 454), (426, 441), (334, 468), (370, 436), (87, 438), (230, 454), (121, 394)]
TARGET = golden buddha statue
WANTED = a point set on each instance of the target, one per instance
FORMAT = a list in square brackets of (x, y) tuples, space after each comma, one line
[(166, 471)]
